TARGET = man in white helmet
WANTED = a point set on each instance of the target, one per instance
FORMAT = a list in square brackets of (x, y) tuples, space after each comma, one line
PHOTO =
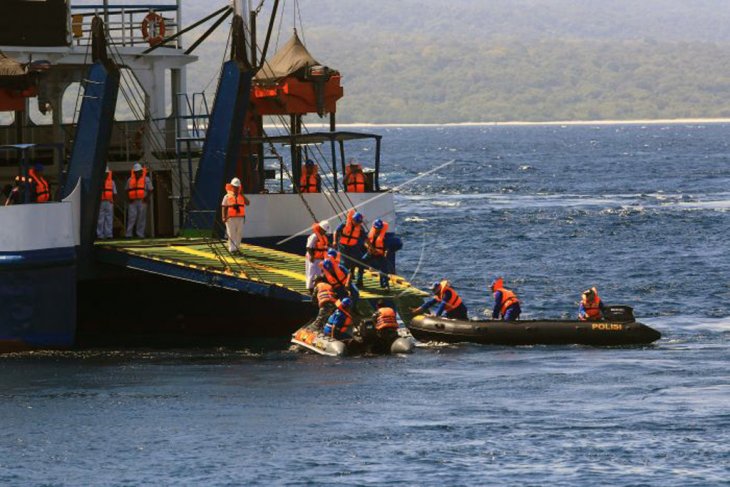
[(138, 189), (233, 214), (317, 245)]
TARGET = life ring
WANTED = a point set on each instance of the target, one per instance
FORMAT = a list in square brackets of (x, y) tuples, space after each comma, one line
[(153, 28)]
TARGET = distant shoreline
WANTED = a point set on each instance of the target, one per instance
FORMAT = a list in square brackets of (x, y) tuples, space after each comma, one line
[(558, 123)]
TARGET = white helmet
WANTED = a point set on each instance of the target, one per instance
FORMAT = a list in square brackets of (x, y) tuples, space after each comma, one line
[(236, 182), (137, 167), (108, 170), (325, 225)]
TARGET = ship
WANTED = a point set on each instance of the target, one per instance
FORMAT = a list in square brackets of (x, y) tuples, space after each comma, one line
[(66, 288)]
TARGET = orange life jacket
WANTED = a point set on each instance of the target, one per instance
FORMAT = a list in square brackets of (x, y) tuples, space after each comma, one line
[(235, 204), (42, 191), (508, 299), (452, 303), (376, 240), (136, 186), (308, 181), (322, 243), (107, 194), (351, 233), (386, 319), (337, 278), (354, 179), (325, 294), (348, 319), (592, 308)]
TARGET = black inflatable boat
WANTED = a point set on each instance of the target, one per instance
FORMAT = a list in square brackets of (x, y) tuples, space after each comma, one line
[(618, 328)]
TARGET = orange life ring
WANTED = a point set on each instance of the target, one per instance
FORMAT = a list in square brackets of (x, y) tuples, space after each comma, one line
[(153, 28)]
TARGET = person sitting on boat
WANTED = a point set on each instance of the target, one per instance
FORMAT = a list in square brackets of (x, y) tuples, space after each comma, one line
[(376, 256), (338, 325), (506, 303), (233, 209), (591, 306), (39, 185), (310, 181), (354, 178), (326, 300), (317, 244), (340, 280), (386, 323), (351, 239), (138, 188), (450, 303), (104, 225)]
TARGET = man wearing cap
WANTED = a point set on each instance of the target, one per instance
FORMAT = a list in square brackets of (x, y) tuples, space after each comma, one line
[(104, 226), (310, 181), (350, 236), (39, 184), (138, 188), (233, 214), (317, 245)]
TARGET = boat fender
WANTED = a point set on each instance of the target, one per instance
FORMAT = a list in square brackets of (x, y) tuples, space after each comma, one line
[(337, 347), (402, 345), (153, 28)]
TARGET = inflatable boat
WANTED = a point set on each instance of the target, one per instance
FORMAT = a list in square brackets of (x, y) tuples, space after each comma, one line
[(365, 341), (618, 328)]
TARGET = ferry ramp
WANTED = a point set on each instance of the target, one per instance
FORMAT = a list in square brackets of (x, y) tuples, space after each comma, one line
[(258, 270)]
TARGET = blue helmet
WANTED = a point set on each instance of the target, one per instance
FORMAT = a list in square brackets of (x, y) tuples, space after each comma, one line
[(309, 162), (327, 264), (332, 253), (347, 302), (435, 285), (38, 167), (357, 217), (378, 224)]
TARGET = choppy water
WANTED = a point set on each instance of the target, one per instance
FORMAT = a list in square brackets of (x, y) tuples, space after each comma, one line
[(643, 213)]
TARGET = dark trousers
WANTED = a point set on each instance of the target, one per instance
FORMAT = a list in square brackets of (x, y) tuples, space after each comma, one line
[(458, 313), (325, 311)]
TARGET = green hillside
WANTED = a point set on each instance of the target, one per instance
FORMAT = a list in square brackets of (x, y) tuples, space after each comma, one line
[(502, 60)]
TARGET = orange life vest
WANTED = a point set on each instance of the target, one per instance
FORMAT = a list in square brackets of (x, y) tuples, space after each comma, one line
[(337, 278), (325, 294), (592, 308), (376, 241), (386, 319), (308, 181), (354, 179), (508, 299), (348, 319), (452, 303), (235, 203), (322, 243), (136, 186), (42, 191), (107, 194), (351, 233)]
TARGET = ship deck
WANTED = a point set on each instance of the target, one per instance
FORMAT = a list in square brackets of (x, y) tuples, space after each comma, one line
[(258, 270)]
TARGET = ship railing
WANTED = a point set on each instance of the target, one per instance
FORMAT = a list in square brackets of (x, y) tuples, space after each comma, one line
[(124, 22)]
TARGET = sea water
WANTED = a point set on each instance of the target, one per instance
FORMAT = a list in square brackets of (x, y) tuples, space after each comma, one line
[(642, 212)]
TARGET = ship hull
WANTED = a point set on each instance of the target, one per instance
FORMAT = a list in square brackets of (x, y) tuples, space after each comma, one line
[(37, 299), (532, 332)]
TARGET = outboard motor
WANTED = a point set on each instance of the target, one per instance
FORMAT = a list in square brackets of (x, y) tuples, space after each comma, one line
[(618, 313)]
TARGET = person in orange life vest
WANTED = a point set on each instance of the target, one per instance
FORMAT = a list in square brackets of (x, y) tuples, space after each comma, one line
[(317, 244), (138, 189), (39, 185), (450, 303), (354, 178), (376, 256), (334, 256), (104, 225), (350, 236), (338, 325), (233, 214), (340, 280), (325, 298), (310, 181), (506, 303), (591, 306)]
